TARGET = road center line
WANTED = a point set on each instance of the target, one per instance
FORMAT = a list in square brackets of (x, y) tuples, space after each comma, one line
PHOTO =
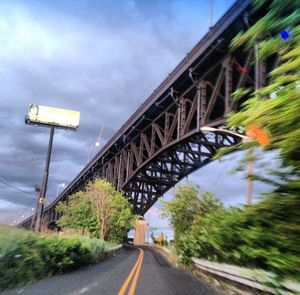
[(137, 266), (137, 273)]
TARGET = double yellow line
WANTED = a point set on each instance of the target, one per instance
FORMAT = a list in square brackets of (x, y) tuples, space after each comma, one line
[(134, 272)]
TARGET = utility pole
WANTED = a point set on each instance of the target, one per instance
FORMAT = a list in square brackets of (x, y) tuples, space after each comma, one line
[(258, 84), (249, 184), (148, 232)]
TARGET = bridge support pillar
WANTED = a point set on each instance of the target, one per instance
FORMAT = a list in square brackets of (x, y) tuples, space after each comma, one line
[(140, 232)]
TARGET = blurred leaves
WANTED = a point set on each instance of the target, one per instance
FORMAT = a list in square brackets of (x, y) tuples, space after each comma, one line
[(264, 236), (26, 257), (276, 107)]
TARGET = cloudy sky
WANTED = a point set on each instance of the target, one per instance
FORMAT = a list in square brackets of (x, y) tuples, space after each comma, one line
[(102, 58)]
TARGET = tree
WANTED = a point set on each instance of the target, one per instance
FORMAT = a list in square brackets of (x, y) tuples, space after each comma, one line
[(100, 207), (113, 212), (275, 108), (266, 234), (273, 233), (186, 205), (78, 214)]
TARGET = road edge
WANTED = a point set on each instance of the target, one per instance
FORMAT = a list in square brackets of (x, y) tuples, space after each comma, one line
[(220, 284)]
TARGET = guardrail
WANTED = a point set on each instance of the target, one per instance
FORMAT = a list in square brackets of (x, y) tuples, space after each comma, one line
[(247, 277)]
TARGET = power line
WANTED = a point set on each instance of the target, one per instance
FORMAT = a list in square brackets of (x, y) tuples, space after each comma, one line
[(30, 203), (14, 187)]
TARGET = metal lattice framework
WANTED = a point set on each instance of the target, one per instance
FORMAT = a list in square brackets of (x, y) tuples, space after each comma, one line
[(162, 142)]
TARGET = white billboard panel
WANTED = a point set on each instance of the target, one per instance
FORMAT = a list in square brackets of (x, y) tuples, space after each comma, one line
[(44, 115)]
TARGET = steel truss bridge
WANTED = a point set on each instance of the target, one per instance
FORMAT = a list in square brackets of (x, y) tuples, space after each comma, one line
[(161, 143)]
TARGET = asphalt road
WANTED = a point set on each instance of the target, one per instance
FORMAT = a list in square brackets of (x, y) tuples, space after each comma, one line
[(150, 273)]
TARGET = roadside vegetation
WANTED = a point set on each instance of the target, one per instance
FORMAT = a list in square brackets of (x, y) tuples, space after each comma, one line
[(160, 239), (265, 235), (94, 220), (99, 211), (26, 257)]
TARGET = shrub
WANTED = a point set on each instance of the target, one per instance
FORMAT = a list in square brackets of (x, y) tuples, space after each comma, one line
[(96, 247), (26, 257), (265, 235), (20, 260), (62, 254), (262, 236)]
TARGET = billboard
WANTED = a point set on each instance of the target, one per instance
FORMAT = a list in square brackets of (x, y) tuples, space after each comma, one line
[(43, 115)]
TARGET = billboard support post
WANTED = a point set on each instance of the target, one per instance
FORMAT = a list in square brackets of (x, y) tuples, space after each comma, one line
[(37, 206), (54, 118), (45, 182)]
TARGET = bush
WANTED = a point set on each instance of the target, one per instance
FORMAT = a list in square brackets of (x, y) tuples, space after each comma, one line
[(62, 254), (20, 261), (262, 236), (265, 235), (96, 247), (26, 257)]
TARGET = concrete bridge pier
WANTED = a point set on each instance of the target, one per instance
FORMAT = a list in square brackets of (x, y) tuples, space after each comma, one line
[(140, 232)]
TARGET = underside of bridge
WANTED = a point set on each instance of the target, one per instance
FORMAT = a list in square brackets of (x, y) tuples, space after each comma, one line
[(162, 142), (169, 166)]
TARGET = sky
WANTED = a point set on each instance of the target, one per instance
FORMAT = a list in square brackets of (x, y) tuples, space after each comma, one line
[(104, 59)]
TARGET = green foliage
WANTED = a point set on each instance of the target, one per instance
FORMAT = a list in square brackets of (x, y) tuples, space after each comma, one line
[(160, 239), (111, 209), (153, 238), (186, 205), (209, 237), (19, 258), (78, 214), (100, 209), (62, 254), (271, 228), (279, 115), (26, 257), (260, 236), (264, 236)]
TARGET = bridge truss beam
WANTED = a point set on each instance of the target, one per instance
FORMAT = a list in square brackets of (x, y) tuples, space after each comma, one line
[(162, 142)]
